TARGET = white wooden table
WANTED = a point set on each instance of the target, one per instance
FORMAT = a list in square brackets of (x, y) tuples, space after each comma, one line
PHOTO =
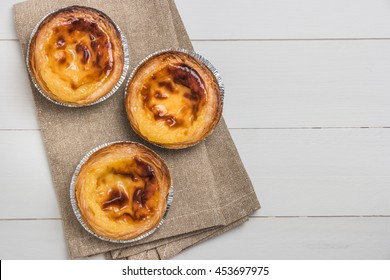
[(307, 103)]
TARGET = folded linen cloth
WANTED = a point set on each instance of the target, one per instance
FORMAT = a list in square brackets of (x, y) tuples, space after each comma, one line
[(213, 192)]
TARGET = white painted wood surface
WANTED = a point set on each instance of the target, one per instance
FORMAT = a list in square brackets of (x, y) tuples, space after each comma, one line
[(308, 104), (300, 238), (296, 172), (269, 19), (325, 83), (260, 238), (285, 19)]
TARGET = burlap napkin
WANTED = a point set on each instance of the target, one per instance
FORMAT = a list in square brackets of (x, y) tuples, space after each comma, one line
[(212, 190)]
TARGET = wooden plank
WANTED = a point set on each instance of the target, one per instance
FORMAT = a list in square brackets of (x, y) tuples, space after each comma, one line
[(275, 19), (299, 238), (26, 190), (268, 84), (303, 83), (322, 196), (309, 172), (260, 238), (268, 19), (17, 109), (7, 30), (318, 172), (288, 153), (34, 239)]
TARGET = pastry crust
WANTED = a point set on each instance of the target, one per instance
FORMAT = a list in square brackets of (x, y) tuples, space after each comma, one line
[(173, 100), (76, 55), (121, 191)]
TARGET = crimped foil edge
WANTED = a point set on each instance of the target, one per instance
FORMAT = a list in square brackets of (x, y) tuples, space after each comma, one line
[(125, 69), (197, 56), (76, 210)]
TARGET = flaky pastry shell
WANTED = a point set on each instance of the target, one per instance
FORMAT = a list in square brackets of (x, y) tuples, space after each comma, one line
[(174, 98), (77, 56), (121, 191)]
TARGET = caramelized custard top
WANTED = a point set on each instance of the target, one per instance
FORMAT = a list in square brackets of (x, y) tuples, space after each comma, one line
[(76, 55), (79, 51), (121, 191), (127, 191), (173, 99), (174, 95)]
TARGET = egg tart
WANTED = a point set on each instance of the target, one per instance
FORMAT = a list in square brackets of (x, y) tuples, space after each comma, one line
[(120, 191), (174, 98), (77, 56)]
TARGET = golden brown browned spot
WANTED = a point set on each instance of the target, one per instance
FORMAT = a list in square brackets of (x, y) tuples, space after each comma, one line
[(139, 196), (128, 170), (108, 67), (139, 205), (144, 169), (84, 52), (89, 42), (60, 42), (126, 217), (167, 85), (146, 172), (188, 77), (116, 198), (173, 80), (160, 95), (62, 60), (127, 173), (96, 63)]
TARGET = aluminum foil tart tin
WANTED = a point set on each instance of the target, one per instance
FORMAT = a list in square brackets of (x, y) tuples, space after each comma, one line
[(126, 62), (76, 210), (197, 56)]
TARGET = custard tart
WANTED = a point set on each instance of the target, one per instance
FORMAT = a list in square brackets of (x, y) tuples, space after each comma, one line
[(77, 56), (174, 98), (120, 191)]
